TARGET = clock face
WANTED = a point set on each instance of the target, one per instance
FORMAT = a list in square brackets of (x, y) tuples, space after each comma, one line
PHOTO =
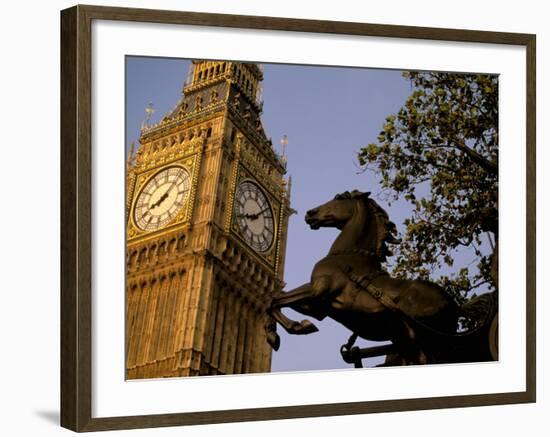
[(162, 198), (254, 216)]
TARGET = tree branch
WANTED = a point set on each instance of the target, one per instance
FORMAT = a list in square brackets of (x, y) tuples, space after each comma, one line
[(488, 166)]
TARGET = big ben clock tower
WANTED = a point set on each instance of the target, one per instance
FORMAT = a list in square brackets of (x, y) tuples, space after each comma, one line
[(207, 212)]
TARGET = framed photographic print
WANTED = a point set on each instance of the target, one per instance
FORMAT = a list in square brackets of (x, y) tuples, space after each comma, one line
[(339, 216)]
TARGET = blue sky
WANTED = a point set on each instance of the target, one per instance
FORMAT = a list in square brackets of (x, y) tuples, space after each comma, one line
[(328, 114)]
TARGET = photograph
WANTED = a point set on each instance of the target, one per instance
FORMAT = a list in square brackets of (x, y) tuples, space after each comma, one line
[(294, 217)]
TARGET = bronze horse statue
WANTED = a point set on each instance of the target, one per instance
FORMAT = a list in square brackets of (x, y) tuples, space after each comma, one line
[(350, 286)]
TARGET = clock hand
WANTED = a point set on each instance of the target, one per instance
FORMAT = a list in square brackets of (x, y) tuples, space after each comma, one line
[(164, 196), (158, 202), (257, 215), (170, 188), (246, 215)]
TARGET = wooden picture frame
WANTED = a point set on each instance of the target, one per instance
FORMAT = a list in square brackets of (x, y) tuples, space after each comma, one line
[(76, 218)]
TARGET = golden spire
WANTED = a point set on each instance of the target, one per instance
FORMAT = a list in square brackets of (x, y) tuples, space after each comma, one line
[(260, 94), (190, 73), (284, 143), (130, 156), (149, 110)]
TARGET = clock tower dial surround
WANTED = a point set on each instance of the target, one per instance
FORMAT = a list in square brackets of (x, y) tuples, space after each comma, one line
[(162, 197), (162, 191), (254, 216)]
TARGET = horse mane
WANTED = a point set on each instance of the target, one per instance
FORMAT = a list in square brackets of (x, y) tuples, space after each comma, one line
[(385, 229)]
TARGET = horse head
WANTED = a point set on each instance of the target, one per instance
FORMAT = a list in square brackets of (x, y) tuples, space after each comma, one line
[(364, 223), (336, 212)]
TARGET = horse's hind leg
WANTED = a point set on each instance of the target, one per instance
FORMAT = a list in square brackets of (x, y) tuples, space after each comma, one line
[(411, 350)]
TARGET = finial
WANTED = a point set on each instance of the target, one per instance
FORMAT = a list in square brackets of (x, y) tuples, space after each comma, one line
[(284, 143), (286, 194), (260, 94), (149, 110), (130, 155), (190, 75)]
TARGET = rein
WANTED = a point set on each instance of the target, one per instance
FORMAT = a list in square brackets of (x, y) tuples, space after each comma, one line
[(354, 252)]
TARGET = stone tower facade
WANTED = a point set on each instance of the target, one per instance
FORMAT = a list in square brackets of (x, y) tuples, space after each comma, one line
[(207, 212)]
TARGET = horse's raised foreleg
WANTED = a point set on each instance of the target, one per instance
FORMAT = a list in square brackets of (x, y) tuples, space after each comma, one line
[(292, 298), (292, 326), (287, 298), (312, 290)]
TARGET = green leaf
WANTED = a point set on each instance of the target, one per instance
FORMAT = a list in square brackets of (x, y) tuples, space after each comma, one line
[(450, 193)]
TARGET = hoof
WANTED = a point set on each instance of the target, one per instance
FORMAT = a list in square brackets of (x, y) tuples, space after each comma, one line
[(304, 327), (274, 340)]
